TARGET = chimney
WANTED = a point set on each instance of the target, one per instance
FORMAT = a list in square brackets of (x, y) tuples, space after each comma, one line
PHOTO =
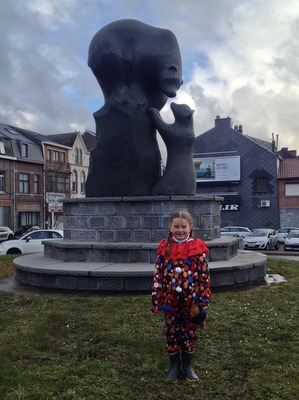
[(293, 153), (274, 148), (223, 121)]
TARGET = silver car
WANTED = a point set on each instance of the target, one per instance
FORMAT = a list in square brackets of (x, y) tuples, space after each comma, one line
[(262, 239), (282, 233), (292, 240), (235, 231), (5, 233)]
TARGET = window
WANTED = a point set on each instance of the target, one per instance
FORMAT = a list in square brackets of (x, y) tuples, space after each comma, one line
[(2, 148), (24, 183), (24, 150), (291, 189), (49, 155), (54, 235), (76, 156), (38, 235), (56, 156), (28, 218), (59, 184), (2, 182), (261, 184), (63, 185), (225, 230), (36, 184), (82, 182), (62, 158), (74, 182)]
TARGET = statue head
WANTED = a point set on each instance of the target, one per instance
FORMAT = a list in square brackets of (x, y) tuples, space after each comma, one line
[(135, 61)]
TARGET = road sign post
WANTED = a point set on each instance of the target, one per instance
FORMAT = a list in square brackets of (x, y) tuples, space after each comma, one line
[(54, 204)]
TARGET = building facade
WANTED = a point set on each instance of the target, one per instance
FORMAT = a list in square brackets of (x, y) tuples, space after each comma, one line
[(78, 158), (37, 171), (21, 179), (243, 170), (288, 191)]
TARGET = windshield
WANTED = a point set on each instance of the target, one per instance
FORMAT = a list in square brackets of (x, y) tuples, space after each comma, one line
[(294, 234), (258, 233)]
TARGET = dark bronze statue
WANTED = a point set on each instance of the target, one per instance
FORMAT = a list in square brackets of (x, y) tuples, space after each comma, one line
[(138, 68)]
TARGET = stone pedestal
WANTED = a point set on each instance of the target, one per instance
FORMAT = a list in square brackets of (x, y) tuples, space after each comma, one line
[(110, 245), (128, 229)]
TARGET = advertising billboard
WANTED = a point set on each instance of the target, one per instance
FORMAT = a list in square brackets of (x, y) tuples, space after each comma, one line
[(217, 169)]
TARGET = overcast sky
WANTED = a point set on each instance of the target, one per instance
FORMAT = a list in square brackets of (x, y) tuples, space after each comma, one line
[(240, 59)]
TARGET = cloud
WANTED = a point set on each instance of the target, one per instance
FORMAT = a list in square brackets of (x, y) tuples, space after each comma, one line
[(239, 59)]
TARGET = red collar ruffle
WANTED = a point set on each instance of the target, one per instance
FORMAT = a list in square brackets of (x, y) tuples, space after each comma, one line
[(183, 250)]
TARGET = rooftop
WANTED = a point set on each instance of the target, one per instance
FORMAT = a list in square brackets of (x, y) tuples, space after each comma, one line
[(289, 168)]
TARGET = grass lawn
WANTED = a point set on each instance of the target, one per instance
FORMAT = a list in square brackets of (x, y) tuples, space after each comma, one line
[(92, 347)]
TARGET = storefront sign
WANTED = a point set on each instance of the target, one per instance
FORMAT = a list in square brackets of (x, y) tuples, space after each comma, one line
[(229, 207), (217, 169)]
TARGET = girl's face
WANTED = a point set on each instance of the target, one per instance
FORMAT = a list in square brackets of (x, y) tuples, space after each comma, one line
[(180, 228)]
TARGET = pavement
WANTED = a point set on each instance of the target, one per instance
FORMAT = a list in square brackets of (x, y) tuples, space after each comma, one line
[(10, 285), (286, 255)]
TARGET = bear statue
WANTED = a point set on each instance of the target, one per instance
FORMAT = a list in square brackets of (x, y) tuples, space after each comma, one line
[(179, 177)]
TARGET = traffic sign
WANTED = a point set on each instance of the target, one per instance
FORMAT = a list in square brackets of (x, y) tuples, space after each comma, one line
[(52, 197), (55, 208)]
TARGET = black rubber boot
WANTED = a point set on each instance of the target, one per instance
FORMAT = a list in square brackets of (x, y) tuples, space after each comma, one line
[(189, 373), (175, 367)]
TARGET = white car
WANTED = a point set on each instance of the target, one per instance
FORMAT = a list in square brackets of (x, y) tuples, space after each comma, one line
[(262, 239), (30, 243), (292, 240), (235, 231), (282, 233), (6, 233)]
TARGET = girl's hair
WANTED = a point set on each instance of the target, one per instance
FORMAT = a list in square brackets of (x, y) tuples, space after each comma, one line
[(184, 214)]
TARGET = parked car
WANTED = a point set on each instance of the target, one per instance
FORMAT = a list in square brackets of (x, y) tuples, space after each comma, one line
[(283, 232), (235, 231), (292, 240), (203, 173), (5, 233), (30, 243), (25, 229), (262, 239)]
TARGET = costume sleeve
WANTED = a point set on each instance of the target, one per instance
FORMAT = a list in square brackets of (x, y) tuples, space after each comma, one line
[(157, 287), (204, 287)]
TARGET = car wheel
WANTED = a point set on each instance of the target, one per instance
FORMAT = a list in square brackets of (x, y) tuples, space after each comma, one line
[(277, 246), (10, 237), (267, 247), (14, 251)]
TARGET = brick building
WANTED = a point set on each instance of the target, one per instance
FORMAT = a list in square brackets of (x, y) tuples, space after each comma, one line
[(288, 189), (78, 159), (21, 179), (33, 166)]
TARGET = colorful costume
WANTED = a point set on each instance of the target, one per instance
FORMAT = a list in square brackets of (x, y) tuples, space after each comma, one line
[(181, 279)]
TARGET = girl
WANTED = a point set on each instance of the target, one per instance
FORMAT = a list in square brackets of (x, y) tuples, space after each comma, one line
[(181, 288)]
